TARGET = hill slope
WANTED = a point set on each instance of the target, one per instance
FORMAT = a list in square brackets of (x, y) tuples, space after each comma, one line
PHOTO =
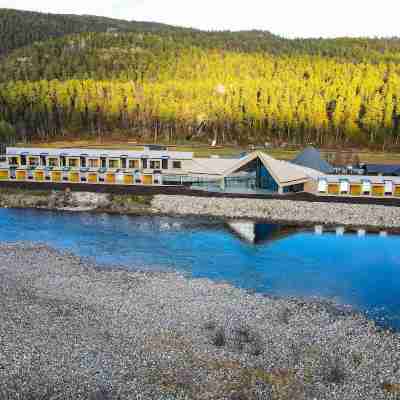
[(162, 82), (22, 28)]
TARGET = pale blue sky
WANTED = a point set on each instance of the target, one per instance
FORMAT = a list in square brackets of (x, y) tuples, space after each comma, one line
[(290, 18)]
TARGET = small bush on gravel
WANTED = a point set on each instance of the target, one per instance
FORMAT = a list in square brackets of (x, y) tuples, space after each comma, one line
[(357, 359), (219, 338), (332, 370), (245, 339), (210, 325), (284, 316)]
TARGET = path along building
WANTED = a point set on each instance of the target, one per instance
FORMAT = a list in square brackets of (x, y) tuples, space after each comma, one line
[(254, 173)]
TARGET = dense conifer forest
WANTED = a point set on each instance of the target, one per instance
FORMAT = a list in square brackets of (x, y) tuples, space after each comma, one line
[(72, 76)]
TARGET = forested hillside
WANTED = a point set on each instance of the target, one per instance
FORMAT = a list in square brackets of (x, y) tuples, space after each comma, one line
[(22, 28), (175, 84)]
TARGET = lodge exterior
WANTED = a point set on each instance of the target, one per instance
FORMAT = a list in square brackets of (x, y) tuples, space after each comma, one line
[(147, 167), (254, 173)]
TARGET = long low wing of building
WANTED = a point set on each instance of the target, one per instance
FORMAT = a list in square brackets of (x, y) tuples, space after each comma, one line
[(96, 165), (253, 173)]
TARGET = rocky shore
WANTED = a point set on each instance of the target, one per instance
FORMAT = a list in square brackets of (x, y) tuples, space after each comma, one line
[(69, 330), (74, 201), (281, 211)]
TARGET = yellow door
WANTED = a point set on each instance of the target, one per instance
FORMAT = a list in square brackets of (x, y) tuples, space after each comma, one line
[(355, 190), (39, 176), (333, 188), (397, 191), (147, 179), (74, 177), (378, 190), (56, 176), (92, 177), (128, 180), (110, 178), (21, 175), (4, 174)]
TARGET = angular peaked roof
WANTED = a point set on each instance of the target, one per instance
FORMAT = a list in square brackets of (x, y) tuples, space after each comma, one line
[(384, 169), (283, 172), (211, 166), (311, 158)]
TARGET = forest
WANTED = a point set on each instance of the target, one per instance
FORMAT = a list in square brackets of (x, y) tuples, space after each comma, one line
[(97, 77)]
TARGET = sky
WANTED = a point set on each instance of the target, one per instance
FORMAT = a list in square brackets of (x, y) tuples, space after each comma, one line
[(289, 18)]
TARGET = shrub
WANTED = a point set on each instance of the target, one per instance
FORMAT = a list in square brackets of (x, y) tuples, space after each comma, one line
[(219, 338)]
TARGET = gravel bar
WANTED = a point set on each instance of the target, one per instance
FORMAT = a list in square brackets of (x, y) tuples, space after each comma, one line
[(71, 330), (281, 210)]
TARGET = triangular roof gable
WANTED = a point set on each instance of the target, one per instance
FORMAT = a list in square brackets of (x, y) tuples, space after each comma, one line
[(310, 157), (281, 171)]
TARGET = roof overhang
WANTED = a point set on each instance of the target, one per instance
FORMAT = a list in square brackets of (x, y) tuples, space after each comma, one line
[(279, 170)]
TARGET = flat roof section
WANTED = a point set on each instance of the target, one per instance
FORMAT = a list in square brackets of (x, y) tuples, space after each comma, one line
[(17, 151)]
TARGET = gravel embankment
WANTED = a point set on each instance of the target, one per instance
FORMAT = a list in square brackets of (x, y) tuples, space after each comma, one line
[(74, 201), (71, 331), (281, 210)]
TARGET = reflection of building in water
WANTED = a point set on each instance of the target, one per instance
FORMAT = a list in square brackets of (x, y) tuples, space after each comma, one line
[(253, 232)]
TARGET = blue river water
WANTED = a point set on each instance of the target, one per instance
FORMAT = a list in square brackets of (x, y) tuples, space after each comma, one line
[(363, 272)]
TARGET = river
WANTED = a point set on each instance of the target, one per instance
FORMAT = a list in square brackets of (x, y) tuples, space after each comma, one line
[(360, 271)]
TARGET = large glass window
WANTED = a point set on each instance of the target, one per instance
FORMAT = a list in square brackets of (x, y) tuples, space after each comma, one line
[(13, 161), (133, 164), (155, 164), (177, 164), (53, 162), (94, 163), (33, 161), (73, 162), (113, 164)]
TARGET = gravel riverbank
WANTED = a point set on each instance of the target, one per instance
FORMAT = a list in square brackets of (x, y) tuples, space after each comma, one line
[(281, 210), (69, 330), (284, 211)]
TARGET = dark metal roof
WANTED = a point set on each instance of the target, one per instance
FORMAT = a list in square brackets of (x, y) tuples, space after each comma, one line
[(383, 169), (311, 158)]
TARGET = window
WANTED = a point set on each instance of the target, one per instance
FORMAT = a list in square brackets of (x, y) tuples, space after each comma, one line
[(113, 164), (33, 161), (83, 162), (53, 162), (134, 164), (103, 162), (93, 163), (43, 161), (155, 164), (177, 164), (23, 160), (13, 161), (144, 163), (63, 161), (165, 163), (123, 163), (73, 162)]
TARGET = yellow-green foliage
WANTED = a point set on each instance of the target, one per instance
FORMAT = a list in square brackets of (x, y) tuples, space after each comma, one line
[(229, 96)]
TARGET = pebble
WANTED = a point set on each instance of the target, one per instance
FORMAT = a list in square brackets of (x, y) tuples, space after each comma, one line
[(281, 210), (70, 329)]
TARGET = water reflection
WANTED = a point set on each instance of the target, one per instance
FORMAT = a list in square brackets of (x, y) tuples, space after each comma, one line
[(357, 269), (259, 233)]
